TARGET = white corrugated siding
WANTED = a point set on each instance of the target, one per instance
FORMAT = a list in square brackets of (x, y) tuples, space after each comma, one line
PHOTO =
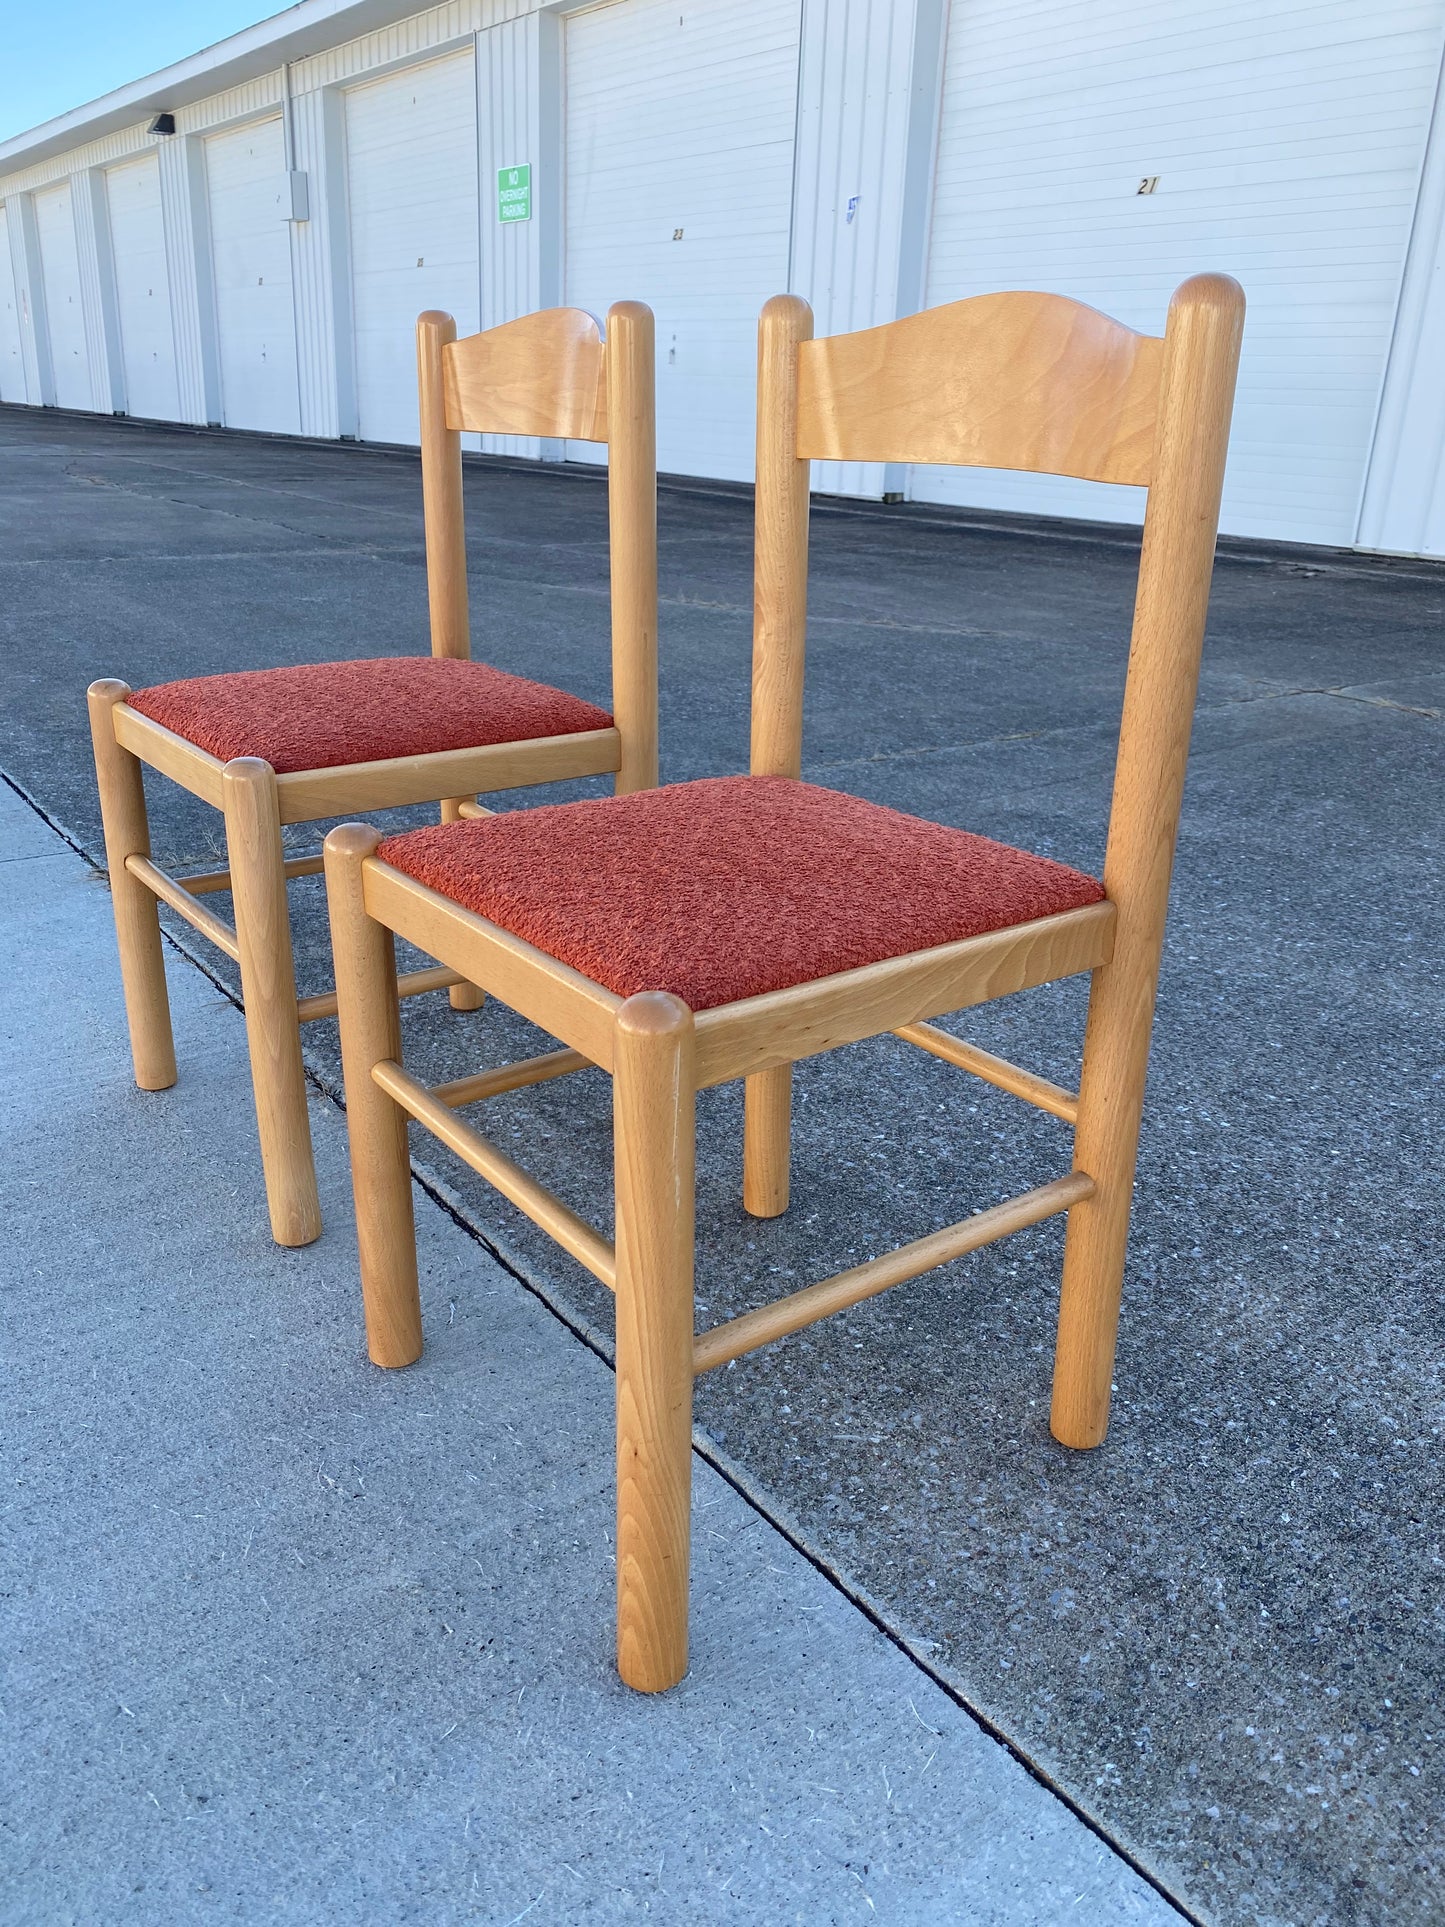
[(251, 251), (318, 270), (411, 148), (1287, 143), (142, 288), (516, 125), (679, 173), (867, 94), (64, 313), (12, 354)]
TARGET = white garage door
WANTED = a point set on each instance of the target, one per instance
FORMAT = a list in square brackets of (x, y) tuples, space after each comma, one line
[(12, 364), (251, 250), (411, 165), (142, 289), (679, 182), (64, 317), (1287, 145)]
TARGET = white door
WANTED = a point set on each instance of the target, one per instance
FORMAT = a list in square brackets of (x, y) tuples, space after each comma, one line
[(679, 181), (411, 172), (251, 251), (1286, 143), (12, 362), (64, 316), (1404, 504), (142, 289)]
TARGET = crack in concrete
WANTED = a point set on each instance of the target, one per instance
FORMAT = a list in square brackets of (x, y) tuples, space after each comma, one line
[(1061, 731)]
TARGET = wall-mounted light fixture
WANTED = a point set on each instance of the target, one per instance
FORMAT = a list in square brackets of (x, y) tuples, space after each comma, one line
[(162, 124)]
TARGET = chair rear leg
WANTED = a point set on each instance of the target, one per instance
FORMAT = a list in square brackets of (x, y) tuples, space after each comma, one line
[(654, 1099), (268, 986), (370, 1015), (137, 926), (1106, 1144), (767, 1141), (462, 996)]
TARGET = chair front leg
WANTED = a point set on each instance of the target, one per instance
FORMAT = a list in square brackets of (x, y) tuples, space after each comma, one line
[(370, 1016), (137, 926), (767, 1141), (1106, 1145), (268, 986), (654, 1102)]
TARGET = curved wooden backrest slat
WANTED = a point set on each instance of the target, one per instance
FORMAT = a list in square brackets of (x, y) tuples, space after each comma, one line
[(544, 374), (1024, 381)]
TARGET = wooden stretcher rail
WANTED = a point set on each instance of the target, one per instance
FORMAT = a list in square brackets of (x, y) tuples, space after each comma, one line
[(510, 1077), (993, 1070), (207, 881), (558, 1220), (756, 1328), (185, 905), (469, 809), (414, 983)]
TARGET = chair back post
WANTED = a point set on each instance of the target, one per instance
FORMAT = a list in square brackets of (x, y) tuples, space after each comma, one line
[(441, 487), (632, 529), (780, 547), (1196, 393), (1181, 522)]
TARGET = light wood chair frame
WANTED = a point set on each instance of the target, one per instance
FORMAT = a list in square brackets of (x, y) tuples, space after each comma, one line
[(1018, 380), (547, 374)]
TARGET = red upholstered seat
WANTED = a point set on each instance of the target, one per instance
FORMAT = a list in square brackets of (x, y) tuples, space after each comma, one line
[(325, 714), (725, 888)]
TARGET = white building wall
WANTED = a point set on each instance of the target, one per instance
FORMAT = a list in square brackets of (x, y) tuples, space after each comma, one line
[(868, 90), (1404, 505), (519, 118), (1287, 146), (102, 342), (12, 352), (680, 131), (1288, 143), (318, 268), (183, 212)]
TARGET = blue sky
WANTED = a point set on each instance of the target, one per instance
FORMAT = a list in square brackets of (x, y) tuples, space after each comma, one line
[(65, 52)]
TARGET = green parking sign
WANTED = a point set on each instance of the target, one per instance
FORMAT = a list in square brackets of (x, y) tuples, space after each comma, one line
[(514, 193)]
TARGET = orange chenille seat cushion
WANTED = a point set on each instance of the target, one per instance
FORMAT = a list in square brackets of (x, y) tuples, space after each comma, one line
[(735, 885), (324, 714)]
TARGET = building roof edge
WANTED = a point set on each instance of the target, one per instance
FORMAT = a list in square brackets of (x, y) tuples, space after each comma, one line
[(303, 29)]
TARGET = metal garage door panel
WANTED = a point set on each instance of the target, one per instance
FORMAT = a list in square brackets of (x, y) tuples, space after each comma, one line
[(12, 360), (142, 289), (1287, 146), (411, 159), (251, 255), (679, 183), (64, 315)]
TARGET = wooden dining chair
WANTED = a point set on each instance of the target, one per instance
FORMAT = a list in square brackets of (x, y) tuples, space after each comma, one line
[(726, 928), (276, 746)]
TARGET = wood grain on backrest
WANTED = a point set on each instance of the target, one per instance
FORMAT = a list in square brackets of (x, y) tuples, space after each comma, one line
[(1024, 381), (542, 375)]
